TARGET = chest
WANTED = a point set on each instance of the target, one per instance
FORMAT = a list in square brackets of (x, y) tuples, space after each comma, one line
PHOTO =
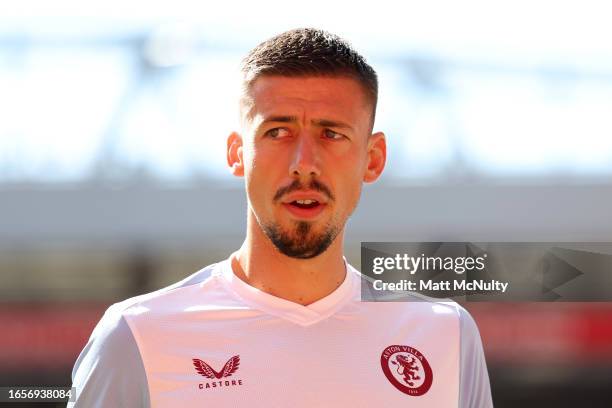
[(354, 358)]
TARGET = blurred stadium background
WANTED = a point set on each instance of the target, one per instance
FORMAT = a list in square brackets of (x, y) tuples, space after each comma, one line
[(113, 179)]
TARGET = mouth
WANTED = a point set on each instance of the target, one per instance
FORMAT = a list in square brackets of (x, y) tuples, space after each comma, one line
[(305, 203), (304, 209)]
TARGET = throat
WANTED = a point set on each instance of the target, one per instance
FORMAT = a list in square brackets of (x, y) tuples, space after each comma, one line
[(300, 285)]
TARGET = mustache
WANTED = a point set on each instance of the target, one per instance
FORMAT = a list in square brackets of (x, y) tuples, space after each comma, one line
[(296, 185)]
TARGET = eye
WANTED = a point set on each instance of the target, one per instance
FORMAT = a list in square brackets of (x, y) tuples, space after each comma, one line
[(277, 133), (330, 134)]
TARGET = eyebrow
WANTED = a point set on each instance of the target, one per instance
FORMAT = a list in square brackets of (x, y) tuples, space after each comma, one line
[(317, 122)]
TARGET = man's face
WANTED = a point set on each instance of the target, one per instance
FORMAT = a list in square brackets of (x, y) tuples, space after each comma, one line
[(305, 150)]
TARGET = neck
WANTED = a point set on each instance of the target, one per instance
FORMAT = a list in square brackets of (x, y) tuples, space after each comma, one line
[(260, 264)]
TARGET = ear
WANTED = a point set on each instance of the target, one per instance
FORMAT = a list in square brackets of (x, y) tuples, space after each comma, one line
[(234, 154), (377, 157)]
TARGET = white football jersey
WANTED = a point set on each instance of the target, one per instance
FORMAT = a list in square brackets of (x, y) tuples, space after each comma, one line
[(213, 340)]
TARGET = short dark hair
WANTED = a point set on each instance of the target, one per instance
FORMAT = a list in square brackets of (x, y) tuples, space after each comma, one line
[(309, 52)]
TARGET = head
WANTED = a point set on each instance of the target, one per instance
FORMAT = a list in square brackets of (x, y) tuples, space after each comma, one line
[(306, 143)]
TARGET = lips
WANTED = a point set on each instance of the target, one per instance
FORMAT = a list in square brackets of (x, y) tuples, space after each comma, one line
[(304, 204), (305, 198), (304, 211)]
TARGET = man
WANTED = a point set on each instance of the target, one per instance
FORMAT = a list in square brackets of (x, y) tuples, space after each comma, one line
[(280, 323)]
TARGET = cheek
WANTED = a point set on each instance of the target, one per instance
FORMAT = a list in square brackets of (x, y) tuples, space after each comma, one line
[(349, 190), (253, 177), (261, 175), (259, 158), (351, 166), (253, 164)]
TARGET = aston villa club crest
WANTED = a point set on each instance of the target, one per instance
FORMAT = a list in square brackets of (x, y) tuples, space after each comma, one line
[(205, 370), (407, 369)]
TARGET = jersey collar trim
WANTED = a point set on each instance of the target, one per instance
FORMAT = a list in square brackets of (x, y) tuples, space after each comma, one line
[(294, 312)]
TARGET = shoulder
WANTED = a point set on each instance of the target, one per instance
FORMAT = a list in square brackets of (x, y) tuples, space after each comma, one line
[(110, 371), (474, 389), (115, 324), (425, 304), (161, 300), (198, 278)]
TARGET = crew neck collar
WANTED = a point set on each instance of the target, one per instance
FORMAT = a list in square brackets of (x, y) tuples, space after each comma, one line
[(295, 312)]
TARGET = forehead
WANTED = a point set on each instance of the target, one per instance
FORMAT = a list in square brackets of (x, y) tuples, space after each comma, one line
[(340, 98)]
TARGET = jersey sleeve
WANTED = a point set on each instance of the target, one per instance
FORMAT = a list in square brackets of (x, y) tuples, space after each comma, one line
[(109, 372), (474, 386)]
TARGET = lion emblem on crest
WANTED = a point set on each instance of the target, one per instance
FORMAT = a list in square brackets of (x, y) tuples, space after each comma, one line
[(406, 368)]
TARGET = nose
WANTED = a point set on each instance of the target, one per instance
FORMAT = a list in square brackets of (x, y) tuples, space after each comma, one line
[(305, 161)]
